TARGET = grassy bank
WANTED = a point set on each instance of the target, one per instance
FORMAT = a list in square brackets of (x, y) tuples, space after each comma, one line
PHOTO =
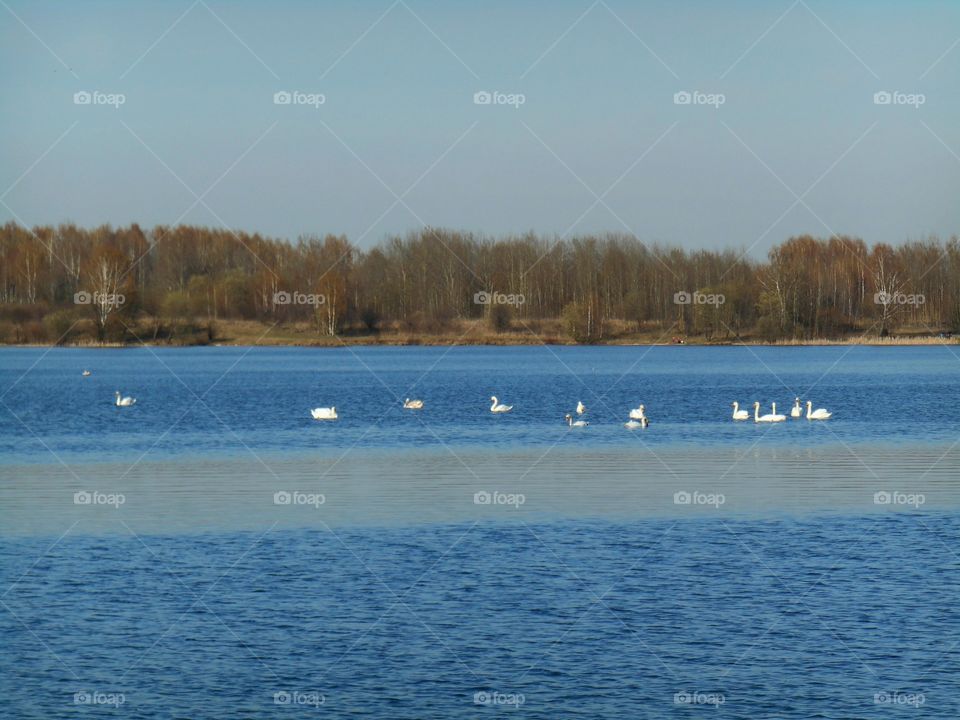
[(467, 332)]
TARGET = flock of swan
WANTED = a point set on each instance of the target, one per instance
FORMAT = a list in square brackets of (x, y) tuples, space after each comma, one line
[(637, 417), (795, 412)]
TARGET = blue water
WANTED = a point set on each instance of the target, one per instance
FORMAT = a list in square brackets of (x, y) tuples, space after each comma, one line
[(209, 401), (401, 597), (789, 619)]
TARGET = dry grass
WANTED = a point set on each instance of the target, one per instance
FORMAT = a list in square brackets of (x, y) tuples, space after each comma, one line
[(522, 332)]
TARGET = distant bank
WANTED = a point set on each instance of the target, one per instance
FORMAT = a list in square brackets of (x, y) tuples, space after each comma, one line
[(467, 332)]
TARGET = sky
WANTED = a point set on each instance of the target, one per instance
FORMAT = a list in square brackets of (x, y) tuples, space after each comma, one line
[(701, 124)]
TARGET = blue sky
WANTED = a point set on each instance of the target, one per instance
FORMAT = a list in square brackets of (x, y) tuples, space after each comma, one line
[(598, 120)]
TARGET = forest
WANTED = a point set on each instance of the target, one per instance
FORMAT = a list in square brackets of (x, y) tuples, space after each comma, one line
[(187, 284)]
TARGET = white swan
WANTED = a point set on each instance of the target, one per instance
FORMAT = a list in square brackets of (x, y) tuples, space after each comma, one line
[(579, 423), (638, 414), (739, 414), (796, 410), (85, 373), (124, 401), (329, 413), (409, 404), (581, 408), (757, 417), (818, 414), (499, 408)]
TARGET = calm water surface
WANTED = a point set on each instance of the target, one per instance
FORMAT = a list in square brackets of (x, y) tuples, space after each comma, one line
[(213, 552)]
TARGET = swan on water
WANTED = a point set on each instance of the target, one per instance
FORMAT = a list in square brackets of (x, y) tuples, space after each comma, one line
[(329, 413), (578, 423), (739, 414), (641, 416), (409, 404), (85, 373), (124, 401), (581, 408), (796, 411), (757, 417), (497, 407), (818, 414)]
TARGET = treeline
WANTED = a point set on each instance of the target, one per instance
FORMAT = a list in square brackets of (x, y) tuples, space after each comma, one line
[(67, 284)]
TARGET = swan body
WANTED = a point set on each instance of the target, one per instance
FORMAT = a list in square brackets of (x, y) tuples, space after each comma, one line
[(773, 417), (85, 373), (497, 407), (639, 415), (796, 410), (124, 401), (329, 413), (818, 414), (581, 408), (633, 424), (575, 423), (409, 404), (739, 414)]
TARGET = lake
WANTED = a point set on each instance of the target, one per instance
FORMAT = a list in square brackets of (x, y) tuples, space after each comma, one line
[(212, 551)]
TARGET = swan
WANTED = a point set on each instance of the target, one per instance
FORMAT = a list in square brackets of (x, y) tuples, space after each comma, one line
[(757, 417), (818, 414), (739, 414), (795, 411), (499, 408), (581, 408), (124, 401), (329, 413), (570, 421), (638, 414), (85, 373), (409, 404)]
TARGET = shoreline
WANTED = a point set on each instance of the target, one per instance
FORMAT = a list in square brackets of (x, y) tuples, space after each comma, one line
[(469, 332), (366, 341)]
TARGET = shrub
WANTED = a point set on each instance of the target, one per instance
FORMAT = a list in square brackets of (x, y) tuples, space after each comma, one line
[(499, 318), (60, 326), (581, 322)]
